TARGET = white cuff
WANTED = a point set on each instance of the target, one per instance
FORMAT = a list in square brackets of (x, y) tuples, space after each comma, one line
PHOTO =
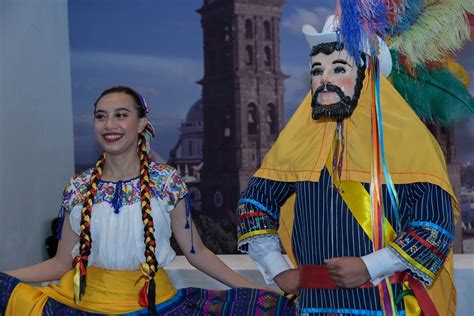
[(272, 264), (382, 263)]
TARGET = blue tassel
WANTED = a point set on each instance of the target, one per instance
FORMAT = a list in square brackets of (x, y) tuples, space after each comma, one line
[(189, 208), (59, 229), (117, 200)]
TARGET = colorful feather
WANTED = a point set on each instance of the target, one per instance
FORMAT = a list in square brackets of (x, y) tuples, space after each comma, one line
[(436, 95), (361, 22), (441, 29), (407, 17), (350, 27), (423, 30)]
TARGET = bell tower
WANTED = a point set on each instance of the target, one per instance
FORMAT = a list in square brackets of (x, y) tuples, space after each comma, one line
[(242, 94)]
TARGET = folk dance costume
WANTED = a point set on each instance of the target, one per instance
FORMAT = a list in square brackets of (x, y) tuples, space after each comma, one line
[(325, 226), (317, 190), (117, 223), (112, 275)]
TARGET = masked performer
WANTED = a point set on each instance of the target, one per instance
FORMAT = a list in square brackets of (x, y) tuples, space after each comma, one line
[(357, 187)]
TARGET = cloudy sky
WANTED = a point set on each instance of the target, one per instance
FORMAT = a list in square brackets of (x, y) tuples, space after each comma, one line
[(156, 47)]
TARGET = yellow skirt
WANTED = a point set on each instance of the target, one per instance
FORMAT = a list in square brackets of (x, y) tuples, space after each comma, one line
[(107, 292)]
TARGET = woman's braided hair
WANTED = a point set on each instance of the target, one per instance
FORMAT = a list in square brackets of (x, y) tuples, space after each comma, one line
[(85, 239), (81, 261), (148, 227)]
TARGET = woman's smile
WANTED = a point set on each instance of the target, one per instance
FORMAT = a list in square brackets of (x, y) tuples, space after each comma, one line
[(112, 137)]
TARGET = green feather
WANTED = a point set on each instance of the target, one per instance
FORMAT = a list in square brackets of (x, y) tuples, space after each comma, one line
[(442, 28), (437, 96)]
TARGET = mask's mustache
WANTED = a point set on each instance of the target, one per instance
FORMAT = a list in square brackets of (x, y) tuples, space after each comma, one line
[(336, 111), (329, 87)]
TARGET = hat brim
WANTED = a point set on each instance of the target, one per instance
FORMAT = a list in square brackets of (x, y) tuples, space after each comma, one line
[(314, 38)]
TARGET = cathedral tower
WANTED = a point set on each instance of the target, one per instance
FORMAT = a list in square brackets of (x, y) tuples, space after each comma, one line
[(242, 95)]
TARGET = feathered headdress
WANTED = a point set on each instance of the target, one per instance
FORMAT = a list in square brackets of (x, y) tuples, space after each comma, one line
[(422, 35)]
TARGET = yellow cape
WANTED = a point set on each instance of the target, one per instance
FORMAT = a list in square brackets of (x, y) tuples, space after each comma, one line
[(412, 154)]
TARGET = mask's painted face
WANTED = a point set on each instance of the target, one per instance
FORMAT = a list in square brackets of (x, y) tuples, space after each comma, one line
[(334, 78)]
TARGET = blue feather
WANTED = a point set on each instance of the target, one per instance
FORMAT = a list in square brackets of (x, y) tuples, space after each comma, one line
[(363, 21), (350, 28), (411, 12)]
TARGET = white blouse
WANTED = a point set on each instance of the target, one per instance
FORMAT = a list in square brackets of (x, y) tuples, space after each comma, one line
[(116, 220)]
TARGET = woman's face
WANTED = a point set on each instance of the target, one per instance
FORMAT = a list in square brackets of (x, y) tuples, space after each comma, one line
[(117, 124)]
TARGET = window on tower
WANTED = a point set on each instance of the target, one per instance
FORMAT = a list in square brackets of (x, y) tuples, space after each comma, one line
[(268, 56), (271, 118), (267, 29), (227, 123), (248, 29), (249, 57), (252, 119)]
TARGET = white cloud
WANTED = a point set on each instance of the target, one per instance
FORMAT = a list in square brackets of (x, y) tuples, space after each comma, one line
[(299, 17)]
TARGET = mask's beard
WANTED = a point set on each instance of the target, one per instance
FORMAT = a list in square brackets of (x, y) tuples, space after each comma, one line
[(336, 111)]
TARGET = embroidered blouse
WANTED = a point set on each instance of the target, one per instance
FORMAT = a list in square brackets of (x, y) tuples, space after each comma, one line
[(116, 221)]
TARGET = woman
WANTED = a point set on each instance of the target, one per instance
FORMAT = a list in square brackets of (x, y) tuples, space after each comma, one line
[(114, 213)]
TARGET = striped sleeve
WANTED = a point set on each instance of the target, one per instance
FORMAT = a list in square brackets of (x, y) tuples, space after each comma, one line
[(426, 239), (258, 211)]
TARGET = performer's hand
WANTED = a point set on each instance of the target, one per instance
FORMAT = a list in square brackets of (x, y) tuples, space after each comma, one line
[(289, 281), (348, 272)]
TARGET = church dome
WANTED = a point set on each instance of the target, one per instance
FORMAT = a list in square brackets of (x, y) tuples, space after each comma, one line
[(194, 116)]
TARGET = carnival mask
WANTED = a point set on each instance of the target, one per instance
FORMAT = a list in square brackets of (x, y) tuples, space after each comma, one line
[(336, 81)]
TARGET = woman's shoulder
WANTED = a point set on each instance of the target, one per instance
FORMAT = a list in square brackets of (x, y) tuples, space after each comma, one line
[(161, 170), (164, 175), (81, 179), (168, 182), (76, 189)]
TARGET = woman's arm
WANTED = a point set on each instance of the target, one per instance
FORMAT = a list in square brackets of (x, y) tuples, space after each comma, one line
[(203, 259), (56, 267)]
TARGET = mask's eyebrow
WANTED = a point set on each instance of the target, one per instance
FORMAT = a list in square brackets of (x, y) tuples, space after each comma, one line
[(341, 61), (315, 64)]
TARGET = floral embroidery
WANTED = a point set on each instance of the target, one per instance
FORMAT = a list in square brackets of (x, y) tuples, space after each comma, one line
[(267, 302), (252, 223), (165, 183)]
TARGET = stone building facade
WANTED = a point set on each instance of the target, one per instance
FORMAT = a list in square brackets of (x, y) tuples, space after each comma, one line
[(186, 156), (242, 95)]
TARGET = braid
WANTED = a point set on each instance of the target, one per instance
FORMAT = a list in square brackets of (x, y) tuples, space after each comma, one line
[(80, 262), (148, 228)]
